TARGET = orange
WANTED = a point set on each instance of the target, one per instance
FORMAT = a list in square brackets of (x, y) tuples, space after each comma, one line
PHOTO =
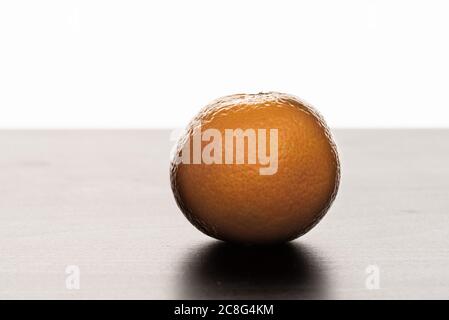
[(235, 202)]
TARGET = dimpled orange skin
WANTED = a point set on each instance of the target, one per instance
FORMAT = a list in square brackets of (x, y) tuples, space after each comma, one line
[(233, 202)]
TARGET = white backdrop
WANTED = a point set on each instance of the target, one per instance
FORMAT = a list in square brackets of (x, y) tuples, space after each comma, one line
[(69, 64)]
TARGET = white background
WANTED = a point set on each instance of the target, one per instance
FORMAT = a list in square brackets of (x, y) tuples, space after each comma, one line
[(119, 64)]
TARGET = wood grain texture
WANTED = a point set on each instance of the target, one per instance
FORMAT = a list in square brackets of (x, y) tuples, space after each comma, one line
[(101, 200)]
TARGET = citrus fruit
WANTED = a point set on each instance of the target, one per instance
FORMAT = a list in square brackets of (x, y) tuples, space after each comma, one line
[(255, 169)]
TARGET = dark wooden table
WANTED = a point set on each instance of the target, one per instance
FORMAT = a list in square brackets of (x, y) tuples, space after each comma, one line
[(101, 200)]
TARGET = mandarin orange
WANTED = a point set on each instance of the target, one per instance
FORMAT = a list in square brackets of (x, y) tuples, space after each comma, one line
[(255, 169)]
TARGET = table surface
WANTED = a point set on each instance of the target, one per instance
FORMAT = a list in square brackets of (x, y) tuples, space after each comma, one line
[(101, 200)]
